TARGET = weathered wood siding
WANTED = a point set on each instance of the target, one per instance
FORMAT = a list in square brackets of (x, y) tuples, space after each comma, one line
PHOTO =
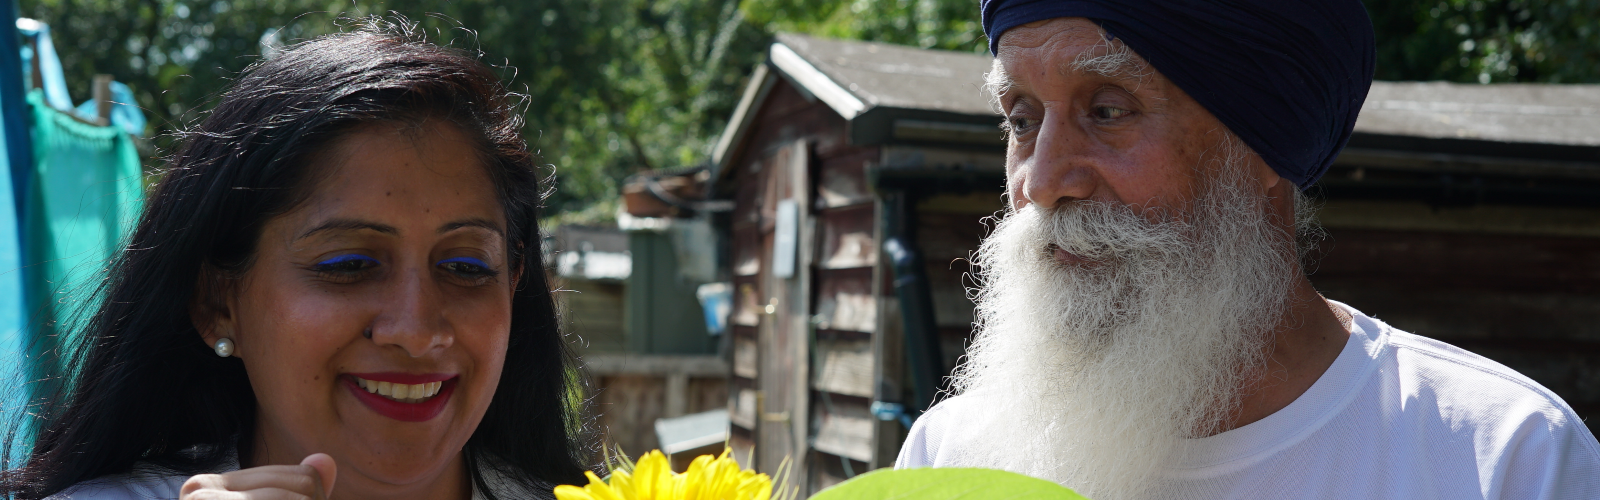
[(1530, 302), (802, 368), (591, 314), (631, 391), (629, 405)]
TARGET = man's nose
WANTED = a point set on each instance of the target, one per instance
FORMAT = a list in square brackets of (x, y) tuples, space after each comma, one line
[(1060, 169), (413, 318)]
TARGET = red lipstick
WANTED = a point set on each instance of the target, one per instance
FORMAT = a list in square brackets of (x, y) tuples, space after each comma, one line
[(404, 412)]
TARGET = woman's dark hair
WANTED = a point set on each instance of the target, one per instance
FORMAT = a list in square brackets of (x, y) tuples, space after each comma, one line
[(147, 389)]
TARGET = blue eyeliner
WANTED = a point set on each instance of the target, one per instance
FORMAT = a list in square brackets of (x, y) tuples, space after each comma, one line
[(347, 258), (465, 260)]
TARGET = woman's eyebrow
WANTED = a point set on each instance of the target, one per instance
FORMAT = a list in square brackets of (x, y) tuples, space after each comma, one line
[(479, 223), (349, 225)]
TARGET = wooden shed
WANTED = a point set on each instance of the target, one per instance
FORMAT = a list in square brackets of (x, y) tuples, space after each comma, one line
[(837, 152), (862, 172)]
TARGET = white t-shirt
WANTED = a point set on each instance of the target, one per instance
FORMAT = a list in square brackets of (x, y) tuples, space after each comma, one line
[(1395, 416), (165, 487)]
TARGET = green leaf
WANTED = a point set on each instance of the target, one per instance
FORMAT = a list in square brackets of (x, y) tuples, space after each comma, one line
[(946, 484)]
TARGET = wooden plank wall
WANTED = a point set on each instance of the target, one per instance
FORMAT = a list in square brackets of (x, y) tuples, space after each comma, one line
[(632, 391), (853, 322), (784, 396), (849, 316), (628, 406), (949, 229), (591, 313), (846, 319), (1530, 302)]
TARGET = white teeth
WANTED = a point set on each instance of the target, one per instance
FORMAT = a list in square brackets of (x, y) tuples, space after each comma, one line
[(409, 393)]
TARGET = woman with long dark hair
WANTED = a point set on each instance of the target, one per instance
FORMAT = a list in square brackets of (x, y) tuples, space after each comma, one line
[(334, 289)]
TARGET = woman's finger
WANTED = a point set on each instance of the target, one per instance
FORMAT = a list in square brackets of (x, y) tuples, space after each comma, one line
[(326, 469), (273, 494), (202, 482), (302, 480)]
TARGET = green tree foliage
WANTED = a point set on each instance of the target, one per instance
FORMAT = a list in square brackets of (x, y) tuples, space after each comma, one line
[(614, 87), (930, 24), (174, 55), (1552, 41), (618, 86)]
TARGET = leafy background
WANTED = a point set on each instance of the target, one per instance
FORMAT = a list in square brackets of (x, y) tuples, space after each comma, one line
[(619, 86)]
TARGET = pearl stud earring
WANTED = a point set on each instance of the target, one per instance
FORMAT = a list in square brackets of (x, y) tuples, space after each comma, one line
[(224, 347)]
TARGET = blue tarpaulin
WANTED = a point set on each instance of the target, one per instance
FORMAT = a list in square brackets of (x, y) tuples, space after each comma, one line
[(13, 366)]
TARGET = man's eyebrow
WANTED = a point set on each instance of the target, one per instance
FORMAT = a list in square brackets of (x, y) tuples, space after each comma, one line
[(997, 84), (475, 222), (350, 225), (1116, 62)]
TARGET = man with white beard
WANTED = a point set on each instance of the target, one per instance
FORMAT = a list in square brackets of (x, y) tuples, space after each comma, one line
[(1144, 326)]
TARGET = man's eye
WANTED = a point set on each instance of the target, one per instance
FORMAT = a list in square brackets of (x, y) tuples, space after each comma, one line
[(1019, 123), (1110, 112)]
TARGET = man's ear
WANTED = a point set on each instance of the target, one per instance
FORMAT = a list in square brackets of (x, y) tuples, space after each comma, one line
[(1279, 190), (210, 308), (1269, 178)]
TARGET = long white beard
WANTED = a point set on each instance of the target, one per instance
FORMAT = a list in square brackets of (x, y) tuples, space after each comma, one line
[(1095, 376)]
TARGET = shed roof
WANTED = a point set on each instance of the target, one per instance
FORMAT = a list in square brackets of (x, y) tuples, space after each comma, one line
[(1530, 113), (891, 93), (886, 75)]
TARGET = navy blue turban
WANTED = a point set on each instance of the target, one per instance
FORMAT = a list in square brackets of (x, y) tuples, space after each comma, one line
[(1286, 76)]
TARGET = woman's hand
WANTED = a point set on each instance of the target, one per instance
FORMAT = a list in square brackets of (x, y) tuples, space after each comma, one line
[(311, 480)]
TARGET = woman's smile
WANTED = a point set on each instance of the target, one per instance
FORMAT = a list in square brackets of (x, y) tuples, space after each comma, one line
[(404, 393), (390, 394)]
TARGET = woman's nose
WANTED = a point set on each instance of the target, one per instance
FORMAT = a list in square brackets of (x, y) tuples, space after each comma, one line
[(413, 318)]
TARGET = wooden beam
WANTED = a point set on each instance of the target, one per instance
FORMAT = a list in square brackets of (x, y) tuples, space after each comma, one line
[(102, 100), (1419, 216), (656, 364), (1467, 164)]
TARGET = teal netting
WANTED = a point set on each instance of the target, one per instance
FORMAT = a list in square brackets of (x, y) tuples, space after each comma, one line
[(85, 193)]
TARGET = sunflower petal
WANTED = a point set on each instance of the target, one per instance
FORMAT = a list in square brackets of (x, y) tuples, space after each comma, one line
[(570, 492)]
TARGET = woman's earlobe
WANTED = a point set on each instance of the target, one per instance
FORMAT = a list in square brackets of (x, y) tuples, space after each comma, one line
[(204, 319), (209, 314)]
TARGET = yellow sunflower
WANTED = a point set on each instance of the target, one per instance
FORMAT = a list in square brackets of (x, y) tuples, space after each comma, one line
[(652, 478)]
